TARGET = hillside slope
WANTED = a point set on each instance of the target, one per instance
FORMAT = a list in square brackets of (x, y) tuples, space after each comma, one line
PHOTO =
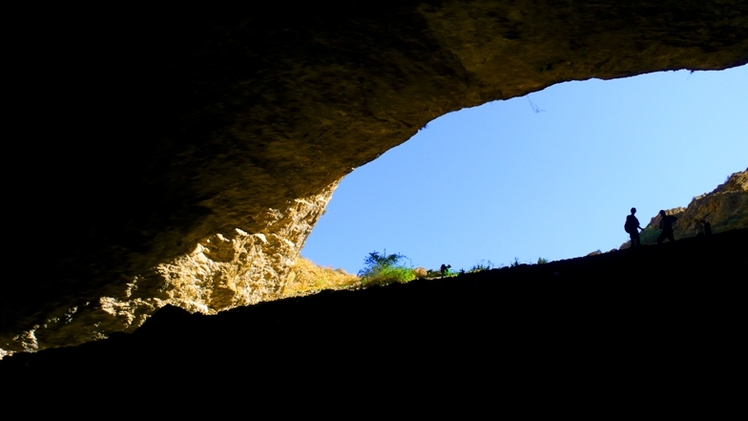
[(725, 208), (670, 309)]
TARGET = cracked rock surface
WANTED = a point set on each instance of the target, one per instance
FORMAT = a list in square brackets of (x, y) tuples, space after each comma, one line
[(183, 156)]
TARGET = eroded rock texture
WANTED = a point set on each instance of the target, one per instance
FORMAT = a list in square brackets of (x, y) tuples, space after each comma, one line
[(725, 208), (162, 147), (224, 271)]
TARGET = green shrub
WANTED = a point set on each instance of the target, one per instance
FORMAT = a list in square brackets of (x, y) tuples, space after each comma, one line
[(649, 235), (542, 261), (383, 269), (389, 275)]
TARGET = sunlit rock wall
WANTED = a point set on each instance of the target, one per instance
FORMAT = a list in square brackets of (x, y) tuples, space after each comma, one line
[(222, 272), (725, 208), (149, 137)]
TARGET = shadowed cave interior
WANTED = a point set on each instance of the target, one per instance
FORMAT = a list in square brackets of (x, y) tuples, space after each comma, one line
[(188, 154)]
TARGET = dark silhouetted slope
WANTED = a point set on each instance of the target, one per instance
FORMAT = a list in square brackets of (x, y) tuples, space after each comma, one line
[(675, 311)]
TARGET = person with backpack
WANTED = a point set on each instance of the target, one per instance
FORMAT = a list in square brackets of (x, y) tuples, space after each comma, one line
[(444, 269), (632, 227), (666, 225)]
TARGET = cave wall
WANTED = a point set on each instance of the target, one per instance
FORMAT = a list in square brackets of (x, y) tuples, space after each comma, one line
[(157, 137)]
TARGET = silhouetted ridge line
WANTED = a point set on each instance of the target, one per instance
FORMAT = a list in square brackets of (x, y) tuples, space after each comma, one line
[(677, 299)]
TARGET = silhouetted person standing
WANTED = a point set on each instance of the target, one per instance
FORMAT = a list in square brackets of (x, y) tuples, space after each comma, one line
[(666, 225), (707, 228), (444, 269), (702, 228), (698, 228), (632, 227)]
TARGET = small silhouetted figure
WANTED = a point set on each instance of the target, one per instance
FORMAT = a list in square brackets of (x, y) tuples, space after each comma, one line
[(707, 228), (698, 227), (666, 225), (444, 269), (632, 227)]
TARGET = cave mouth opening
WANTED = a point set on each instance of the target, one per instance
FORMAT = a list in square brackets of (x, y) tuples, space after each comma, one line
[(549, 175)]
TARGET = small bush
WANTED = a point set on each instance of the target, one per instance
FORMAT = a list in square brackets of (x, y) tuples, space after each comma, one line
[(649, 235), (542, 261), (383, 269), (389, 275)]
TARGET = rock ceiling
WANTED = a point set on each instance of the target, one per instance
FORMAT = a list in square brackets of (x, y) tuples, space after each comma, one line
[(183, 156)]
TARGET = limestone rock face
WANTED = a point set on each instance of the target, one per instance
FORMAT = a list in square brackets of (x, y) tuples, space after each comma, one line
[(160, 149), (725, 208), (224, 271)]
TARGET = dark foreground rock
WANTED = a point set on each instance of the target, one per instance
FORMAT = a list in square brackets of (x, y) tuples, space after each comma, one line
[(672, 314), (181, 155)]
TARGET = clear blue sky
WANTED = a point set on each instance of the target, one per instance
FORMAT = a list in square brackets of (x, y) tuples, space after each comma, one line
[(552, 174)]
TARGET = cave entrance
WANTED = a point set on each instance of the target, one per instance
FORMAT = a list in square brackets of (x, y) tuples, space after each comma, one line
[(552, 174)]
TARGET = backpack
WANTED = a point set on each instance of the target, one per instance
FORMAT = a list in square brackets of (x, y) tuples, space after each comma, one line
[(628, 226)]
